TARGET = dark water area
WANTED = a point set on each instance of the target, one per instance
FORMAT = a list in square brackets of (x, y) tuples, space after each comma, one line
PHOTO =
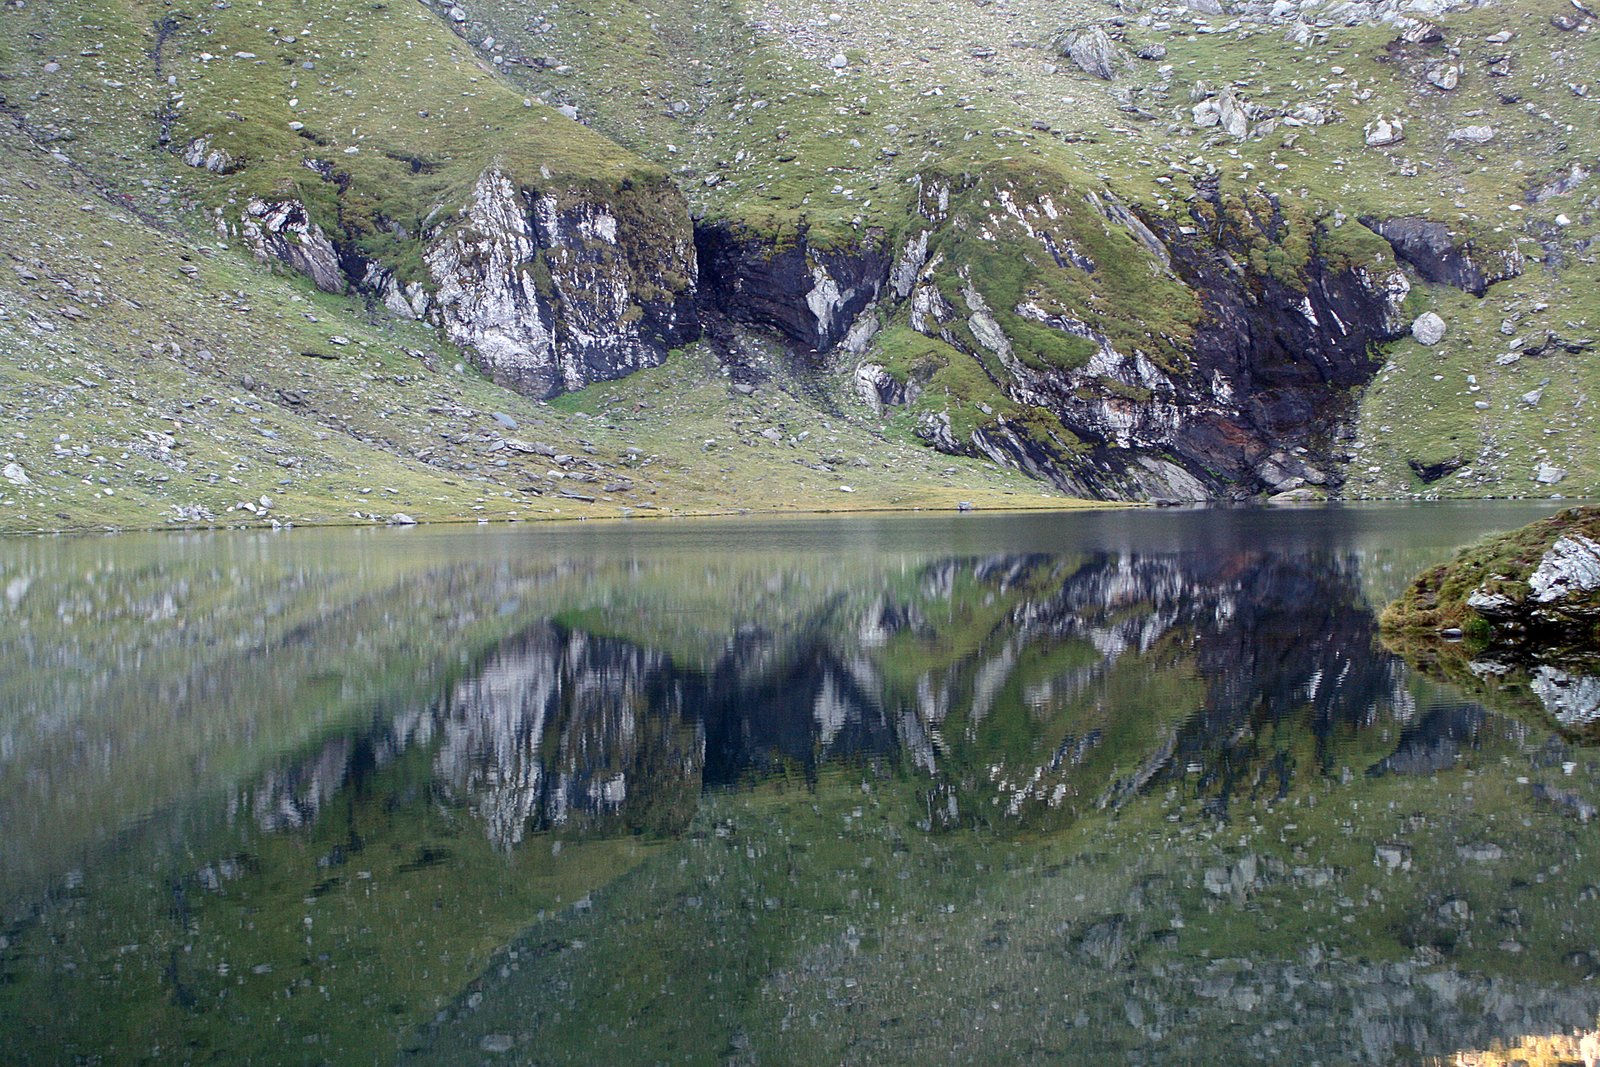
[(1121, 786)]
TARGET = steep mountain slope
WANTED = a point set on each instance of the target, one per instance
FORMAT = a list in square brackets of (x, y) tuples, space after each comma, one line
[(1236, 145), (155, 372), (1139, 253)]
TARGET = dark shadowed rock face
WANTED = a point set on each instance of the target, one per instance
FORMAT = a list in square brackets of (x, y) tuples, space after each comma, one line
[(1441, 257), (1269, 377), (1431, 472), (1255, 399), (808, 294), (1291, 352)]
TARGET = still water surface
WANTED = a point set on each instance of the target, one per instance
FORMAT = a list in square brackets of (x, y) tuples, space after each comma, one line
[(1116, 787)]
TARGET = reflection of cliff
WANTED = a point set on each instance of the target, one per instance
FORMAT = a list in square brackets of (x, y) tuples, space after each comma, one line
[(558, 728), (1276, 655), (1297, 682), (1041, 677), (555, 729)]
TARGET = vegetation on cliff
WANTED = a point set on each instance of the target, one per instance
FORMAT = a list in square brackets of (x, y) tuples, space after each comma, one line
[(1509, 587), (1305, 182)]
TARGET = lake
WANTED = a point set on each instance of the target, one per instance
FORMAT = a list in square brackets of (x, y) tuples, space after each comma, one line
[(1123, 786)]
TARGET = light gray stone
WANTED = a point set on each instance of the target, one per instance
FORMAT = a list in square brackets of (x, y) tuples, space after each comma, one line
[(1570, 567), (1428, 329), (1549, 474), (1094, 52), (1382, 131)]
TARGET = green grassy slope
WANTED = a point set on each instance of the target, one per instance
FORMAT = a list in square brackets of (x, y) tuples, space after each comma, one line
[(744, 104), (150, 371), (745, 111)]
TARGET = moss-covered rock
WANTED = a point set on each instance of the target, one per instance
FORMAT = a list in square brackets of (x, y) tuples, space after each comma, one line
[(1514, 620), (1538, 586)]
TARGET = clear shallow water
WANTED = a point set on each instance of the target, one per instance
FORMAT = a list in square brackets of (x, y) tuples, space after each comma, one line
[(1121, 787)]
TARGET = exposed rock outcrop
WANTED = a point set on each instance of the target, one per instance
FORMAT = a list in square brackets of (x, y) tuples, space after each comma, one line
[(810, 294), (1253, 402), (1274, 361), (1440, 256), (1093, 51), (554, 292), (1514, 619), (1537, 587), (283, 231), (548, 290)]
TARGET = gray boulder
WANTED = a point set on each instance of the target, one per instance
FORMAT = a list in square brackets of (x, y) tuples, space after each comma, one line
[(1094, 52), (1381, 132), (1471, 135), (1428, 329), (1442, 75)]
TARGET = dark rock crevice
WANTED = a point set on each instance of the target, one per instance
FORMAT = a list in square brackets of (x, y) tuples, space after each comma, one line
[(809, 294), (1441, 257)]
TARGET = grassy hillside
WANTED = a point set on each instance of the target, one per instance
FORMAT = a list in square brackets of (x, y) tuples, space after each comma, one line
[(747, 106), (149, 371), (379, 117)]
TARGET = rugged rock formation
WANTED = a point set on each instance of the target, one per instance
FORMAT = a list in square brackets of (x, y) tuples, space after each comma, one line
[(1252, 404), (1440, 256), (1274, 361), (1092, 49), (1518, 615), (808, 293), (548, 290), (283, 231), (1563, 591), (553, 291)]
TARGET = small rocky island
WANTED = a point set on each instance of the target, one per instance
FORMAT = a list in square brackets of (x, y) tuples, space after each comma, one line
[(1515, 617)]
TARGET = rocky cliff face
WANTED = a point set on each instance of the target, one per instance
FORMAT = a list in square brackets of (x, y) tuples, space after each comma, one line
[(810, 295), (1276, 360), (552, 292), (1251, 400), (546, 290)]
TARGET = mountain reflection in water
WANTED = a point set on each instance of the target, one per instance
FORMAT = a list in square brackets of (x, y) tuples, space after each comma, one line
[(558, 726), (1148, 787)]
